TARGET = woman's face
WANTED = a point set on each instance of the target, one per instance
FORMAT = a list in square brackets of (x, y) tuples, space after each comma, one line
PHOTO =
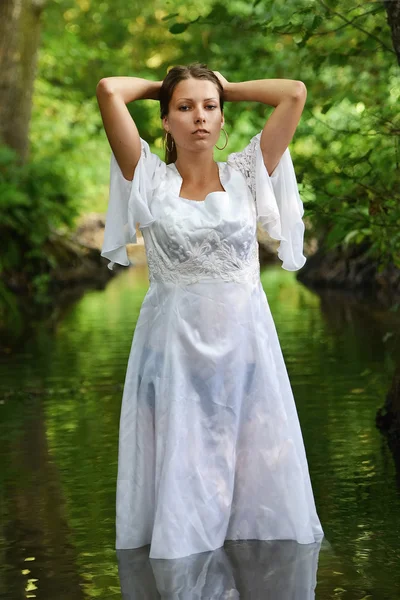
[(194, 119)]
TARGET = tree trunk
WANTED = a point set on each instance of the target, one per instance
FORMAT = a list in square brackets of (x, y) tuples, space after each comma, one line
[(388, 419), (19, 43), (393, 13)]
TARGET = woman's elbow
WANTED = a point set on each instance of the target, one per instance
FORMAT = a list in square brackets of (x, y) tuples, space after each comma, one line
[(103, 86), (299, 90)]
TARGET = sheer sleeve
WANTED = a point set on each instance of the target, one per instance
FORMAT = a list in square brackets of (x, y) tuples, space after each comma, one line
[(129, 203), (278, 204)]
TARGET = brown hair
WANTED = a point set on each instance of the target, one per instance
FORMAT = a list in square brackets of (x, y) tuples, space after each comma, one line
[(175, 75)]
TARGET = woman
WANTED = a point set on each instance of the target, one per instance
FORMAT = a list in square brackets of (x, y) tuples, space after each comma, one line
[(210, 445)]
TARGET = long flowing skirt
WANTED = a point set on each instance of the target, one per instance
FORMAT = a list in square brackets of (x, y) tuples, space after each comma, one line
[(210, 445)]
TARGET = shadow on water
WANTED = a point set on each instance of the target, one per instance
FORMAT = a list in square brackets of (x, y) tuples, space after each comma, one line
[(22, 315), (60, 396), (35, 531)]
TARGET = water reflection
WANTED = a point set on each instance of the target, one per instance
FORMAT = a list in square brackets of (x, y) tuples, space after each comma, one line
[(60, 398), (254, 569)]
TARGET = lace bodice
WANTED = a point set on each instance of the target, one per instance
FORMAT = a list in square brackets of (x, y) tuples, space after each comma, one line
[(205, 260), (188, 241)]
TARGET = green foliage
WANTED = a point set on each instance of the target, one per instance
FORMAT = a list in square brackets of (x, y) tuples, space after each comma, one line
[(345, 149), (34, 201), (179, 27)]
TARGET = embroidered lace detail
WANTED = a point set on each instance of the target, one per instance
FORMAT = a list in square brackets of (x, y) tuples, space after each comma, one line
[(212, 258), (245, 162)]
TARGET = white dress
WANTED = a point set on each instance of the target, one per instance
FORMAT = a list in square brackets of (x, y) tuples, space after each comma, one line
[(210, 445)]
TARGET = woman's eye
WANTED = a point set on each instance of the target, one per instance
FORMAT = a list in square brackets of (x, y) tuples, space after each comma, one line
[(211, 106), (183, 107)]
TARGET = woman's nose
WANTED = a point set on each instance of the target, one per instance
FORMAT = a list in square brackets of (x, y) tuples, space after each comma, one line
[(199, 115)]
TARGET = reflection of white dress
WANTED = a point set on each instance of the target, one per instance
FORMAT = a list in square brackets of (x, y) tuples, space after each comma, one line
[(210, 445), (256, 570)]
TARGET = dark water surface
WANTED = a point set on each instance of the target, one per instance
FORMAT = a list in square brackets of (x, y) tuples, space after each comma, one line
[(60, 396)]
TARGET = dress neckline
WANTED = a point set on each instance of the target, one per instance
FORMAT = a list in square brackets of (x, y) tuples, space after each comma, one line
[(222, 193)]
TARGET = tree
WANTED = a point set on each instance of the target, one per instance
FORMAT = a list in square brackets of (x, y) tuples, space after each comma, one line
[(20, 35), (393, 12), (346, 147)]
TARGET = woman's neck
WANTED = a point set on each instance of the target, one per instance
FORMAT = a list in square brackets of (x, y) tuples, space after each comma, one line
[(196, 167)]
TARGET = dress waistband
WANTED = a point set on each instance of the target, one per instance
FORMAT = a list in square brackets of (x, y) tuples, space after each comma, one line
[(249, 274)]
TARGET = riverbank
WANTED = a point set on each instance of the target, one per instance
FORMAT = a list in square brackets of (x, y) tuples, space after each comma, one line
[(79, 263), (79, 267), (352, 270)]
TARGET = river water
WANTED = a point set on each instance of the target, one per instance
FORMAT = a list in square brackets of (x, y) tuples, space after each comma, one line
[(60, 395)]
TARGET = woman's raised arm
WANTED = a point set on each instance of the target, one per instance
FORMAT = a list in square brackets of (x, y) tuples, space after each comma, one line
[(113, 94), (287, 95)]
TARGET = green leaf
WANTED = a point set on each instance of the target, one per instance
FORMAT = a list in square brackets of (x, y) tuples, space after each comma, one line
[(296, 19), (178, 27), (326, 107), (317, 22), (170, 16)]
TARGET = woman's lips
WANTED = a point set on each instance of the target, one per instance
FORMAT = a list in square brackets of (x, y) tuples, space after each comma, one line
[(200, 132)]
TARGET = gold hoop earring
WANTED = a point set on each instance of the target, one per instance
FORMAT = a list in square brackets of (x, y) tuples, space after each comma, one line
[(226, 140), (166, 142)]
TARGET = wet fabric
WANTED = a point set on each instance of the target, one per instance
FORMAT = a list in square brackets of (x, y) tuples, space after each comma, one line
[(210, 445)]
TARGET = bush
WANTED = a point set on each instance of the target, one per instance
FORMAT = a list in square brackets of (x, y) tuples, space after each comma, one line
[(35, 200)]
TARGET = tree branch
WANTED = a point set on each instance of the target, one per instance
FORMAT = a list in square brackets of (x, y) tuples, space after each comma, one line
[(368, 33)]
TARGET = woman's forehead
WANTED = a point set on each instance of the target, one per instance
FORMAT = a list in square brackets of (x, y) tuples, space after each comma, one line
[(196, 89)]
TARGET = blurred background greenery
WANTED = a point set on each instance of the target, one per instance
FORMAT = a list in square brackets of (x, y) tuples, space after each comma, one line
[(54, 161)]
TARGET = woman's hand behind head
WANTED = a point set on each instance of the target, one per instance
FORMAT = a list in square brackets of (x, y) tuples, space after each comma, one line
[(224, 82)]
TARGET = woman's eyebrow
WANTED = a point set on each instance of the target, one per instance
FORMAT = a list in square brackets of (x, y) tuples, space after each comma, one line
[(191, 99)]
